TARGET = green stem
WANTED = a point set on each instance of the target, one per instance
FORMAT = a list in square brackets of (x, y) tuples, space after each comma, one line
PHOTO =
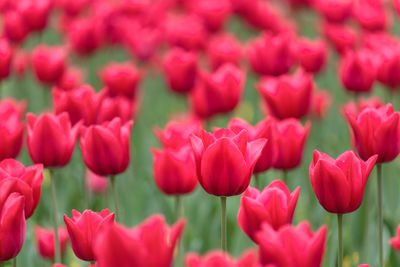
[(285, 176), (14, 263), (85, 193), (115, 197), (55, 221), (340, 240), (2, 264), (380, 217), (178, 207), (223, 224), (257, 180)]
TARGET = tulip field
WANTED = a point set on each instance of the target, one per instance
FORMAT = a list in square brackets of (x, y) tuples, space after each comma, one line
[(200, 133)]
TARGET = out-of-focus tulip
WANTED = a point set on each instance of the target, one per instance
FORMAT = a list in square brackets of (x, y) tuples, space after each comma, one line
[(220, 258), (51, 139), (311, 54), (291, 246), (225, 160), (96, 183), (287, 96), (45, 241), (14, 27), (11, 127), (342, 37), (119, 246), (174, 170), (35, 13), (333, 10), (389, 68), (223, 48), (73, 8), (81, 104), (358, 71), (180, 69), (371, 15), (298, 3), (376, 131), (144, 43), (55, 63), (354, 108), (6, 55), (116, 107), (321, 102), (59, 265), (83, 229), (290, 138), (271, 55), (106, 148), (71, 79), (395, 241), (339, 184), (213, 13), (217, 92), (21, 62), (275, 205), (262, 130), (121, 79)]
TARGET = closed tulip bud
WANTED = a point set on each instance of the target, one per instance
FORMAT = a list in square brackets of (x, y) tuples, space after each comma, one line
[(220, 258), (180, 69), (35, 13), (354, 108), (118, 246), (14, 27), (271, 55), (312, 54), (106, 148), (121, 79), (262, 130), (290, 139), (51, 139), (6, 55), (371, 15), (83, 229), (342, 37), (117, 107), (174, 170), (213, 13), (225, 160), (55, 58), (71, 79), (218, 92), (45, 241), (287, 96), (373, 130), (81, 104), (74, 8), (96, 183), (339, 184), (21, 63), (12, 225), (144, 43), (11, 127), (275, 205), (389, 68), (395, 241), (358, 71), (333, 10), (291, 246), (14, 177), (321, 103), (223, 48)]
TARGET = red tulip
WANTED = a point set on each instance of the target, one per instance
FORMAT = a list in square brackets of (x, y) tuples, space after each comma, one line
[(122, 247), (363, 265), (321, 102), (341, 36), (358, 71), (371, 15), (6, 55), (55, 59), (51, 139), (389, 68), (81, 104), (74, 8), (339, 184), (333, 10), (271, 55), (45, 241), (14, 27), (35, 13), (218, 92), (144, 43), (376, 132), (59, 265), (96, 183), (21, 63), (262, 130), (223, 48), (220, 258), (15, 177), (225, 160), (71, 79), (287, 96), (11, 127), (106, 148), (395, 241), (312, 54), (354, 108), (116, 107), (121, 79), (275, 205), (180, 69), (83, 229), (290, 138), (291, 246), (174, 170), (12, 225), (213, 13)]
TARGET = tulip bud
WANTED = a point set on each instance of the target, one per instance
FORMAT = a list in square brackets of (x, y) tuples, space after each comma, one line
[(117, 107), (342, 37), (97, 184), (45, 241), (14, 27), (321, 102), (312, 54), (53, 70), (333, 10), (6, 55), (395, 241), (213, 13), (220, 258), (35, 13), (223, 48), (71, 79)]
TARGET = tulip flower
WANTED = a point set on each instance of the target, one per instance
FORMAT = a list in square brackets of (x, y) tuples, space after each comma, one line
[(213, 13), (81, 104), (395, 241), (291, 246), (389, 68), (21, 63), (117, 107), (223, 48), (218, 92), (371, 15), (220, 258), (180, 69), (35, 13), (287, 96), (71, 79), (275, 205), (45, 241), (311, 54), (119, 246), (6, 55), (224, 163), (73, 8), (96, 183), (354, 108), (321, 102), (14, 28), (83, 229), (333, 10), (144, 43), (59, 265), (341, 36), (11, 127), (121, 79), (55, 58)]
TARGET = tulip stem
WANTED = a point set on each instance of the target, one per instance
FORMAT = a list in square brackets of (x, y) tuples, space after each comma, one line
[(380, 218), (85, 193), (114, 192), (14, 262), (55, 221), (340, 240), (2, 263), (223, 224), (178, 207), (285, 176), (257, 180)]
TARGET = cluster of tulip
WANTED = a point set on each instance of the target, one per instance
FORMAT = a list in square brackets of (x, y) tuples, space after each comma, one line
[(187, 41)]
